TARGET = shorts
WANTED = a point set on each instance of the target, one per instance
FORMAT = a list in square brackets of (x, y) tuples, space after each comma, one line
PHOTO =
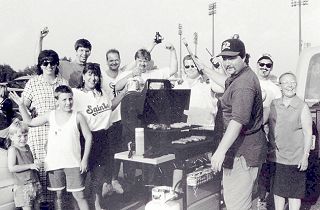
[(25, 195), (70, 177), (289, 182)]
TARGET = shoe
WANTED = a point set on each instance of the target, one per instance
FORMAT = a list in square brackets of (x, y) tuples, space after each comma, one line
[(261, 205), (107, 189), (117, 187)]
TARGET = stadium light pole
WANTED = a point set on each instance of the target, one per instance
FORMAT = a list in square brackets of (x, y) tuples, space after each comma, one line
[(299, 3), (212, 11)]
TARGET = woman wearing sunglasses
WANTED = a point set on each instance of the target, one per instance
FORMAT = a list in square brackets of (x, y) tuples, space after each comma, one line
[(38, 96), (96, 106)]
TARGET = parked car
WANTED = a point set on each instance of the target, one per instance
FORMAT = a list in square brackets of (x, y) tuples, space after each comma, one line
[(6, 183)]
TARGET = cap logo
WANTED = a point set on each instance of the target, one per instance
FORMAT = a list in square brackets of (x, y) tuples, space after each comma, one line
[(225, 45)]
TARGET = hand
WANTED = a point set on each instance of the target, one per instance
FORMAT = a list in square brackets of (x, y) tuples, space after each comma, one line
[(136, 72), (16, 98), (217, 161), (83, 166), (34, 166), (44, 32), (303, 164)]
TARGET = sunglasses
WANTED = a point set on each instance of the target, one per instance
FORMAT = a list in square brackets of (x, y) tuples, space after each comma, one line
[(192, 66), (268, 65), (46, 63)]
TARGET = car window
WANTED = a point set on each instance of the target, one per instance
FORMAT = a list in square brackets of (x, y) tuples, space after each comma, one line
[(312, 90)]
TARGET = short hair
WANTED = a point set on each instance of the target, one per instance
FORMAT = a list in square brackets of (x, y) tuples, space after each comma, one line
[(287, 73), (47, 55), (95, 69), (187, 57), (17, 125), (62, 89), (82, 43), (143, 53), (112, 51)]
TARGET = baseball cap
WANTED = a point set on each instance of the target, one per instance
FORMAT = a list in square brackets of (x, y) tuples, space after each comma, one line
[(265, 56), (233, 47)]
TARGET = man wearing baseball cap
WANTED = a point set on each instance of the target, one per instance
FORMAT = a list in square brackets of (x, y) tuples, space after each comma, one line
[(242, 149)]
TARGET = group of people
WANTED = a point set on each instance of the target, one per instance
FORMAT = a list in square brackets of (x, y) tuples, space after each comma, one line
[(77, 122)]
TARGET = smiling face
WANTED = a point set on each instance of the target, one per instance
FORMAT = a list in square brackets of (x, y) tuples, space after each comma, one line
[(190, 69), (233, 64), (264, 68), (288, 85), (113, 61), (90, 80), (48, 66), (142, 64), (82, 54), (65, 101), (19, 139)]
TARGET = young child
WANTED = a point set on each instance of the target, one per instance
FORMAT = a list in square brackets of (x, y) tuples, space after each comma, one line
[(27, 188), (63, 163)]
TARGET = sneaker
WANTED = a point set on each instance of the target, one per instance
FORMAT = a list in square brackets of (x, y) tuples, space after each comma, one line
[(261, 205), (117, 186), (107, 189)]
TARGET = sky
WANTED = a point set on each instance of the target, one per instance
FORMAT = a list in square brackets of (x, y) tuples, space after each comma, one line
[(263, 25)]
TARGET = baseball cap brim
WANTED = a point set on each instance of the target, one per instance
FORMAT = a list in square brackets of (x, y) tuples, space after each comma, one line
[(228, 53)]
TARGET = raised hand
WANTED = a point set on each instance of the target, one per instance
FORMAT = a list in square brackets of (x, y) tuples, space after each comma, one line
[(44, 32), (16, 98)]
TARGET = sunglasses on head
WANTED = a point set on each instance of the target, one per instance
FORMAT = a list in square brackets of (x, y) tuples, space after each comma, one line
[(46, 63), (192, 66), (268, 65)]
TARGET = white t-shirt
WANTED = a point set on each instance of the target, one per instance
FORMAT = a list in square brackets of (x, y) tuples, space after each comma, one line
[(95, 108), (163, 73), (271, 91), (107, 84), (202, 106)]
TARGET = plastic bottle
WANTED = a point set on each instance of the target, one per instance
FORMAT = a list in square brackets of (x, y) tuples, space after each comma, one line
[(139, 139)]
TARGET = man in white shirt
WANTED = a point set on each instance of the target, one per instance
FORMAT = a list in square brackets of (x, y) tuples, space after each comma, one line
[(109, 78), (270, 91)]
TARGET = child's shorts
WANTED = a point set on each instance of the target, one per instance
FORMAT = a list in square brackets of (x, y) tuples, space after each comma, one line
[(70, 177), (25, 195)]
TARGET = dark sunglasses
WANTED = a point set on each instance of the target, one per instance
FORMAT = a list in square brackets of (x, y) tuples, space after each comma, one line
[(46, 63), (192, 66), (268, 65)]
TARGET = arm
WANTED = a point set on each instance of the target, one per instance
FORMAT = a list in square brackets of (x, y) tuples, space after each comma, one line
[(215, 76), (116, 100), (216, 88), (122, 82), (43, 33), (82, 123), (173, 59), (12, 164), (231, 134), (306, 122), (40, 120)]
